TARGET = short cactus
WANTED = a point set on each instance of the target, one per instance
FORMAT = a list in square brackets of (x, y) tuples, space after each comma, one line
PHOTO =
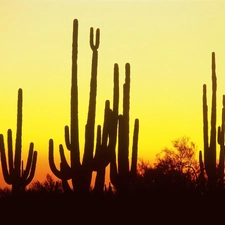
[(14, 174)]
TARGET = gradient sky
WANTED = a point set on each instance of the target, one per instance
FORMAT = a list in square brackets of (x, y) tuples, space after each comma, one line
[(168, 44)]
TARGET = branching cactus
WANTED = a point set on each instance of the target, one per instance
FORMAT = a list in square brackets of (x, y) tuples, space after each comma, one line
[(14, 173), (215, 175), (106, 144), (80, 173), (122, 175), (210, 149)]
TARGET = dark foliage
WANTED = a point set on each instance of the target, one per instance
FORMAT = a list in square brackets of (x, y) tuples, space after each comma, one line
[(48, 186)]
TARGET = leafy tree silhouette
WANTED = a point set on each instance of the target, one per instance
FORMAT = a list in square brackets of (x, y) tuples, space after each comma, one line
[(175, 170), (178, 166)]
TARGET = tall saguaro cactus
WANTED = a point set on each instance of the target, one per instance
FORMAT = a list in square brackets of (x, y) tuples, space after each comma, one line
[(215, 175), (122, 175), (14, 173), (79, 172), (210, 149)]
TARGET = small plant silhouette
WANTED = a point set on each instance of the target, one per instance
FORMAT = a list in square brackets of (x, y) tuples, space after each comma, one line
[(48, 186)]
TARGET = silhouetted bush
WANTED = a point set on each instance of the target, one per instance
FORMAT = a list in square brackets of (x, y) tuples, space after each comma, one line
[(49, 185)]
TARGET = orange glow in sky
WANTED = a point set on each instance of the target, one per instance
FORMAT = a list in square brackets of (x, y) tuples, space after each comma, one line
[(167, 43)]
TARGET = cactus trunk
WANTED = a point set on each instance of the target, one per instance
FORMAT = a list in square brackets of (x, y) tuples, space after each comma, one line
[(221, 133)]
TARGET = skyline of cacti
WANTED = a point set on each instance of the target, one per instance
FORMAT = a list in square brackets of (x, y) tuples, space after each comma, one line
[(141, 74), (122, 172), (168, 67), (80, 171)]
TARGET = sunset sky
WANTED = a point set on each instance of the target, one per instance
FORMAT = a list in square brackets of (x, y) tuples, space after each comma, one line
[(167, 43)]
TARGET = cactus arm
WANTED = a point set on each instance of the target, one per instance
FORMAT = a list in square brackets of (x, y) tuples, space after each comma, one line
[(205, 123), (67, 138), (201, 162), (221, 133), (122, 150), (98, 139), (100, 176), (219, 137), (201, 175), (32, 169), (51, 161), (6, 174), (97, 156), (135, 148), (29, 160), (116, 89), (97, 40), (10, 150), (106, 128), (66, 172), (213, 114), (102, 153), (64, 179), (89, 129)]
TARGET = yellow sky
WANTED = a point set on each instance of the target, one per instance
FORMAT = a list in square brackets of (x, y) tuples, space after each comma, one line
[(168, 44)]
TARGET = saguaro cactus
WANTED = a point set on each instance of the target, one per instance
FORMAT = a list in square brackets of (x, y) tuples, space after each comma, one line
[(14, 174), (106, 146), (80, 173), (214, 175), (221, 133), (201, 177), (210, 149), (122, 176)]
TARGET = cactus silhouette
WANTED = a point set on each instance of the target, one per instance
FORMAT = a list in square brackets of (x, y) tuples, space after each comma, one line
[(103, 150), (80, 173), (220, 138), (122, 176), (14, 173), (212, 172), (201, 176)]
